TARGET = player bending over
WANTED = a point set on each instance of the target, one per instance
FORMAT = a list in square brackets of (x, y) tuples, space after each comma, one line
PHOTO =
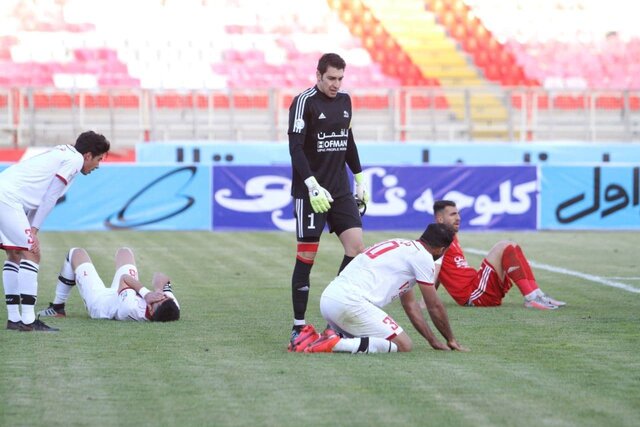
[(29, 191), (125, 299), (352, 303)]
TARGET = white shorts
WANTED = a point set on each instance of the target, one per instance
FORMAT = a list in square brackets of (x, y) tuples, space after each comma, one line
[(15, 229), (129, 269), (101, 302), (353, 316)]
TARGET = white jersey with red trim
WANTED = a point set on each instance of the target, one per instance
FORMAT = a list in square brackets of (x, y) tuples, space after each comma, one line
[(108, 303), (131, 306), (27, 182), (385, 271)]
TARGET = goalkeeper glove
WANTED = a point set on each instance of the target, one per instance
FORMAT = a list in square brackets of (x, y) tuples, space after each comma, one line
[(361, 190), (319, 197)]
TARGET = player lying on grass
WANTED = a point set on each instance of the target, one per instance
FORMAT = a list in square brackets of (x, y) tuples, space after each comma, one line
[(352, 303), (488, 285), (125, 299)]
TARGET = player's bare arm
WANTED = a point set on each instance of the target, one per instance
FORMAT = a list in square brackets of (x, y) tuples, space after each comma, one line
[(436, 282), (438, 313), (128, 281), (411, 307), (160, 280)]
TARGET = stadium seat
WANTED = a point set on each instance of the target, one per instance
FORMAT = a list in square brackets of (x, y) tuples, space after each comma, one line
[(116, 53), (568, 49)]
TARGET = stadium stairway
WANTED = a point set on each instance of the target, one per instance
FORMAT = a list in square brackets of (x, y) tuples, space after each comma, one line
[(437, 55), (417, 33)]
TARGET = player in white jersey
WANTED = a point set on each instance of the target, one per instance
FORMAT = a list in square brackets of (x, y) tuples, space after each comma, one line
[(352, 303), (29, 191), (125, 299)]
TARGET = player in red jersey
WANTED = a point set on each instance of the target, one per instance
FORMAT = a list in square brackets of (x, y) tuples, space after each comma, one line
[(504, 265)]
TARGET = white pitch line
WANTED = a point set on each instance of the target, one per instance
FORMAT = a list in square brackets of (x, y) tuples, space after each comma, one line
[(560, 270)]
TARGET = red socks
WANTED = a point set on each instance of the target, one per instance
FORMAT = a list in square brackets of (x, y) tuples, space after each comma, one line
[(517, 268)]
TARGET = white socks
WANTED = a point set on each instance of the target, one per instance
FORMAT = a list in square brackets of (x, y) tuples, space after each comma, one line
[(11, 290), (365, 345), (28, 285), (533, 295), (64, 286)]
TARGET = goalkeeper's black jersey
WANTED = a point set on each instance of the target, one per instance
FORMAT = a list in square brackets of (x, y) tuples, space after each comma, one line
[(325, 124)]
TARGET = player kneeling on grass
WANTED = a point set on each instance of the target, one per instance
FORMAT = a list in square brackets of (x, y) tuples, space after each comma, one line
[(125, 299), (388, 270)]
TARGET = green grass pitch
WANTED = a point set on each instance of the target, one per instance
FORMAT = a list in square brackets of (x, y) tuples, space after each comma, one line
[(225, 362)]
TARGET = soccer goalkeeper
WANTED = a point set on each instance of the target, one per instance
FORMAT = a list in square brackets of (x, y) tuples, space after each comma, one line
[(321, 145)]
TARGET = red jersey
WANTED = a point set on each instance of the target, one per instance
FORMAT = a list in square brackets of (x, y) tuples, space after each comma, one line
[(457, 277)]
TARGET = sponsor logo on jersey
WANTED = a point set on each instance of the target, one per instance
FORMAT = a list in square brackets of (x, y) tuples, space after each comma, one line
[(346, 114), (332, 145), (332, 141), (322, 116), (460, 262)]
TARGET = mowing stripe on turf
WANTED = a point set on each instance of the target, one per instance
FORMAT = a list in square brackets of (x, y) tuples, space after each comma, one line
[(560, 270)]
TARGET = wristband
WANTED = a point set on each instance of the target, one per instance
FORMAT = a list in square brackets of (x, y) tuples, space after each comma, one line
[(143, 292)]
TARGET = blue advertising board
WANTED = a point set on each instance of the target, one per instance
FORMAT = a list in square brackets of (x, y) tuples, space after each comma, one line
[(590, 197), (136, 197), (489, 197), (394, 153)]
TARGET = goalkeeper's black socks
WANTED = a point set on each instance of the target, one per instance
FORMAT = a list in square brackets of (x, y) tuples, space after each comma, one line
[(300, 288)]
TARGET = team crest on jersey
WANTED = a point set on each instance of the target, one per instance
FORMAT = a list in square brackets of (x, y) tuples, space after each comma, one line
[(346, 114), (299, 123)]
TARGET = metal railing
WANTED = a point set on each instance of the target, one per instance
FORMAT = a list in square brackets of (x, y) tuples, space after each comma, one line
[(45, 116)]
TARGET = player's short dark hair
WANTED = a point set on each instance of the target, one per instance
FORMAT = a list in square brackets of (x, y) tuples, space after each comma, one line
[(91, 142), (438, 235), (440, 205), (330, 60), (167, 311)]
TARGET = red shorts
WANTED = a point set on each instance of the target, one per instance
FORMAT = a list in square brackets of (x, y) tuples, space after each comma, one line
[(488, 289)]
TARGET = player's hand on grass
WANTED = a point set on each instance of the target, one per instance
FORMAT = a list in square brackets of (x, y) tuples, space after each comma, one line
[(361, 188), (320, 198), (453, 345), (437, 345)]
